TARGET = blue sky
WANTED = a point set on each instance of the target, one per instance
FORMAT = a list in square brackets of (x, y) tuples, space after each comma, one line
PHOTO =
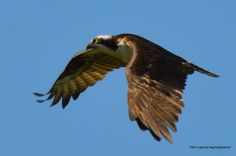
[(38, 38)]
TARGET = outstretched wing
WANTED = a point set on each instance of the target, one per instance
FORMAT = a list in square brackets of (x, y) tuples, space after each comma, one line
[(156, 80), (154, 105), (83, 70)]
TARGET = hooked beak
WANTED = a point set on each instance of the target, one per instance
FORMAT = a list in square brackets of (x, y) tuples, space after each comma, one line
[(91, 46)]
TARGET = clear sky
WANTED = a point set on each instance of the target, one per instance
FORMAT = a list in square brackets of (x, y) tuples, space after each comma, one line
[(38, 38)]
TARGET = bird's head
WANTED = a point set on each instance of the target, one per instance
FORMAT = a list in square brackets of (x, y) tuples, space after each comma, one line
[(111, 45), (104, 42)]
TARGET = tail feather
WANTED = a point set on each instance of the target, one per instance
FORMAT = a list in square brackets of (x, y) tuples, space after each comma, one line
[(201, 70)]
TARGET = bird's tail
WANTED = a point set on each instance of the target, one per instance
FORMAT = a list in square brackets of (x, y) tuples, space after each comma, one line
[(201, 70)]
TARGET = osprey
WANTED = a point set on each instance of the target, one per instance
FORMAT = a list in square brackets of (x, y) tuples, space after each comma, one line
[(156, 79)]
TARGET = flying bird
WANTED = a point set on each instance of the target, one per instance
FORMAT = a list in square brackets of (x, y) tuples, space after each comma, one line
[(156, 79)]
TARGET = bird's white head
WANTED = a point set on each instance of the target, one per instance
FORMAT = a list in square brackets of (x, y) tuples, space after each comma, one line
[(105, 37)]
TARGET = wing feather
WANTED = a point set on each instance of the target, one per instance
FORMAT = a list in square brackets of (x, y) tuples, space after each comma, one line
[(155, 109), (82, 71)]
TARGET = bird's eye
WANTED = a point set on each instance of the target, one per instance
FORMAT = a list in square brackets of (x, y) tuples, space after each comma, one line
[(96, 40)]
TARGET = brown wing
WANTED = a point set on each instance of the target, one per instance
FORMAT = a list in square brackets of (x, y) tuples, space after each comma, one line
[(154, 105), (156, 80), (84, 70)]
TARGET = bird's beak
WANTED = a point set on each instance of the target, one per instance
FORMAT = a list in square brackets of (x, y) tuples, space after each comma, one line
[(91, 46)]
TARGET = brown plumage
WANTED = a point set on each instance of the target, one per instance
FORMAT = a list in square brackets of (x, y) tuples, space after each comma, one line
[(156, 79)]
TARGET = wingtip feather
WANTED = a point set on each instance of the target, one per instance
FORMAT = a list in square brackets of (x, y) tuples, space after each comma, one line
[(65, 101), (41, 101), (39, 94), (158, 138)]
